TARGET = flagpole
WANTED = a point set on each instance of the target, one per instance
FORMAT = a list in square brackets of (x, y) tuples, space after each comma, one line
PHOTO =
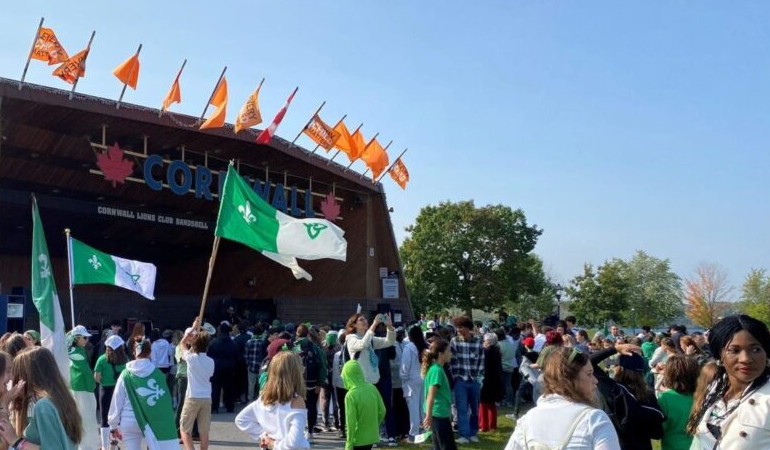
[(179, 74), (216, 86), (364, 151), (391, 166), (29, 57), (70, 268), (338, 151), (213, 258), (88, 50), (335, 126), (126, 84), (308, 123), (384, 150)]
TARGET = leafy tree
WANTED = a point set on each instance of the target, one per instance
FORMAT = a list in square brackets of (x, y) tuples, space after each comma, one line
[(458, 255), (600, 296), (539, 304), (706, 294), (655, 291), (755, 295)]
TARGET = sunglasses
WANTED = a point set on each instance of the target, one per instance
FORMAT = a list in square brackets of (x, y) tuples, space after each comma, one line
[(575, 351)]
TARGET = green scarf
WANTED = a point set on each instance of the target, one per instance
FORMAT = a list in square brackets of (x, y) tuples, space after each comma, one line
[(151, 402)]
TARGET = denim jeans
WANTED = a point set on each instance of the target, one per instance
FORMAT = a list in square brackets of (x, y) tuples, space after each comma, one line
[(467, 400), (508, 385)]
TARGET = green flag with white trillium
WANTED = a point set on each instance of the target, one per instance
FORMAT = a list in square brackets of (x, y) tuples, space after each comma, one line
[(90, 266), (46, 299), (247, 218)]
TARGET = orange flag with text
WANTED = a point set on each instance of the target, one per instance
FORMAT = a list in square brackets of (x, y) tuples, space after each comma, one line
[(250, 114), (128, 71), (399, 173), (48, 48), (219, 100), (73, 68), (321, 133)]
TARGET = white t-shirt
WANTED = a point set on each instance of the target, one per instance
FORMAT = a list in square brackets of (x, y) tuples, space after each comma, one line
[(200, 369), (281, 422)]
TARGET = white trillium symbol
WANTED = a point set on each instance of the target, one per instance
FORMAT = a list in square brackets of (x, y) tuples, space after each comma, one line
[(246, 211)]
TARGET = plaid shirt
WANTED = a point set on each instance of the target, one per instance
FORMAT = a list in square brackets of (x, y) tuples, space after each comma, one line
[(467, 358), (255, 353)]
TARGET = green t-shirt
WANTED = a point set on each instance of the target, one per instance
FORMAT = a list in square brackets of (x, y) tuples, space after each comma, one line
[(676, 407), (81, 376), (648, 349), (109, 377), (45, 428), (442, 402)]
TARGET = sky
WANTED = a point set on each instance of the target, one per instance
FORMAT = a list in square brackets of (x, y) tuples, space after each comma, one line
[(615, 126)]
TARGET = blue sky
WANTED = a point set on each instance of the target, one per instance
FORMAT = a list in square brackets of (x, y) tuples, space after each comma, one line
[(615, 126)]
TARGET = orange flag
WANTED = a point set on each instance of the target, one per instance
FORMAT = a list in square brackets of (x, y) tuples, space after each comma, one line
[(321, 133), (375, 158), (219, 100), (249, 115), (382, 163), (343, 141), (357, 146), (399, 173), (48, 48), (128, 71), (73, 68), (174, 95)]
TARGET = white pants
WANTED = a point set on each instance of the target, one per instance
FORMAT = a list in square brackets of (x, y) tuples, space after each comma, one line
[(132, 434), (415, 405), (86, 402)]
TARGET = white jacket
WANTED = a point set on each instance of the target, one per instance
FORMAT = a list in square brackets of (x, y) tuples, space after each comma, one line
[(411, 380), (748, 427), (162, 354), (364, 344), (337, 370), (120, 407), (280, 422)]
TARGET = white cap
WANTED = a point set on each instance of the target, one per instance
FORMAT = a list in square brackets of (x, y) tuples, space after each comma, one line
[(432, 324), (209, 328), (114, 342), (80, 330)]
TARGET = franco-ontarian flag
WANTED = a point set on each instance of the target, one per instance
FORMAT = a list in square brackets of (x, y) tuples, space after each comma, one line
[(46, 299), (90, 266), (247, 218)]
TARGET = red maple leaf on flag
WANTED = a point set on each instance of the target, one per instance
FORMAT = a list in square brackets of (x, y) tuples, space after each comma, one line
[(330, 207), (115, 168)]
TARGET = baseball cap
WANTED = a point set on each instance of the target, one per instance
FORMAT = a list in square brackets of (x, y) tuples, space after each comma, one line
[(35, 335), (209, 328), (633, 362), (80, 330), (528, 342), (114, 342), (431, 324)]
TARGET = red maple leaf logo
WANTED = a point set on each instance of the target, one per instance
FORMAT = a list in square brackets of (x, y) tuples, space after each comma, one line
[(330, 207), (115, 168)]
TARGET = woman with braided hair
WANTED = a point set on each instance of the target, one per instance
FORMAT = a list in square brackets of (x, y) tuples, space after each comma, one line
[(735, 413)]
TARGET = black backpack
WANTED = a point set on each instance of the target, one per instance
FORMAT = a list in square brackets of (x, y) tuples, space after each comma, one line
[(311, 362)]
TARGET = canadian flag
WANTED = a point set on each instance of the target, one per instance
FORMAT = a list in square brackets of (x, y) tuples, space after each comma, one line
[(267, 134)]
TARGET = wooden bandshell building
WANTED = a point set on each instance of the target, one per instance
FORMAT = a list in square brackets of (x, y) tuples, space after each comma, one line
[(144, 186)]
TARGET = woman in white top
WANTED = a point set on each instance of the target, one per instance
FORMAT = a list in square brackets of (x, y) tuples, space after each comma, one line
[(412, 383), (566, 415), (361, 343), (278, 417)]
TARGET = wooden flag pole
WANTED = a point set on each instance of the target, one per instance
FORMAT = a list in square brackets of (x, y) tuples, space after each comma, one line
[(364, 151), (216, 86), (69, 265), (335, 126), (307, 124), (179, 74), (126, 84), (338, 151), (29, 57), (88, 50), (391, 166), (213, 258), (384, 150)]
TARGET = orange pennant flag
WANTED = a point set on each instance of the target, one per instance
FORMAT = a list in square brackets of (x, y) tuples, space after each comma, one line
[(174, 95), (375, 158), (48, 48), (219, 100), (73, 68), (399, 173), (381, 164), (321, 133), (249, 115), (343, 141), (357, 146), (128, 71)]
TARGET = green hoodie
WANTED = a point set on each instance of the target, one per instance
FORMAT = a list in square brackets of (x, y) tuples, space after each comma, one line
[(362, 420)]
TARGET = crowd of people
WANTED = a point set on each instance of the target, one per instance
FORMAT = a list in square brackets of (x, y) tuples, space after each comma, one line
[(377, 385)]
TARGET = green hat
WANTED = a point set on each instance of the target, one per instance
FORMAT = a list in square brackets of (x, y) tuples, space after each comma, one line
[(34, 334)]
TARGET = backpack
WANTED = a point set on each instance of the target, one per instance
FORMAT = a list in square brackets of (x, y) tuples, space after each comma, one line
[(535, 445), (346, 354), (615, 403), (310, 361)]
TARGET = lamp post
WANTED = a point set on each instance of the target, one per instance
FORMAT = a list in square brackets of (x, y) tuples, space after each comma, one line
[(558, 290), (633, 319)]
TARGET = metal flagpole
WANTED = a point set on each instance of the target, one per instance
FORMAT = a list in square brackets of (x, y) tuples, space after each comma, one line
[(365, 147), (88, 50), (126, 84), (216, 86), (29, 57), (308, 123), (384, 150), (335, 126), (338, 151), (71, 268), (179, 74), (391, 166)]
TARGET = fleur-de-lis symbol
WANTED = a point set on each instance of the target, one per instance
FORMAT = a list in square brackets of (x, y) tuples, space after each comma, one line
[(246, 211), (314, 229), (152, 392), (45, 269), (94, 261)]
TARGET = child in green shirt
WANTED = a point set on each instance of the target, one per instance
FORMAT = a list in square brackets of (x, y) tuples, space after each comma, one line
[(364, 409), (680, 378), (438, 395)]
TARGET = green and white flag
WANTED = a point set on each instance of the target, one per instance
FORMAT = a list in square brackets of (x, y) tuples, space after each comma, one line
[(46, 299), (90, 266), (247, 218)]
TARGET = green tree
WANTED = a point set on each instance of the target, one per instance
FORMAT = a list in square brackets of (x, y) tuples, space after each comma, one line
[(458, 255), (597, 297), (540, 303), (655, 291), (755, 295)]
